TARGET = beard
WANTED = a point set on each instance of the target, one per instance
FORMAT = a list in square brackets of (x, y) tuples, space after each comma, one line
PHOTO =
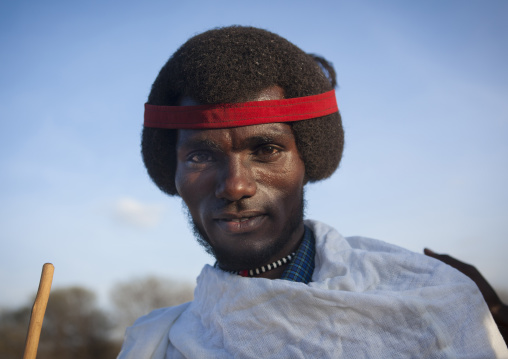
[(241, 261)]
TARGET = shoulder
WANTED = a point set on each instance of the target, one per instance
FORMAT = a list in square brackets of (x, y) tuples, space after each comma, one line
[(377, 264), (148, 335)]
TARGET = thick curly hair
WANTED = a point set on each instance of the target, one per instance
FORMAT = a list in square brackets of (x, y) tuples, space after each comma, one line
[(233, 64)]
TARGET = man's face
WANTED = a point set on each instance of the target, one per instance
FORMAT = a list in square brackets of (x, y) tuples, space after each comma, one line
[(244, 190)]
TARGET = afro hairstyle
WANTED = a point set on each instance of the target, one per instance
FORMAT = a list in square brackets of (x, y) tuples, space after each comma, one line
[(233, 64)]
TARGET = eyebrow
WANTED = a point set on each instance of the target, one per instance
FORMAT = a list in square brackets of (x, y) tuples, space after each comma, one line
[(200, 143), (255, 141), (272, 136)]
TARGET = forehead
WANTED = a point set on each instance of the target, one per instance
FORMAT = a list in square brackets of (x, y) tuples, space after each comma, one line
[(237, 137)]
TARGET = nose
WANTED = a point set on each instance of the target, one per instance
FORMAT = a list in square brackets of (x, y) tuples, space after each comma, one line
[(235, 181)]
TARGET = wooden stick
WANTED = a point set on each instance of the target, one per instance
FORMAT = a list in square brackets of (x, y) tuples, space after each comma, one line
[(38, 310)]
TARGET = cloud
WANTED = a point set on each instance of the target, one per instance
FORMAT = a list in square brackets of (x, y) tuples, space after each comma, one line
[(135, 213)]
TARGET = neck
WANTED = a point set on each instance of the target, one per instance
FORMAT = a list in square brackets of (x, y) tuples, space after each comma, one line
[(271, 272)]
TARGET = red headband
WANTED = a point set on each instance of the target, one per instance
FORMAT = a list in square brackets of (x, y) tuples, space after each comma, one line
[(240, 114)]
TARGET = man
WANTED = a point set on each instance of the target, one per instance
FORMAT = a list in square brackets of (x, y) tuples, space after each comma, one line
[(237, 122)]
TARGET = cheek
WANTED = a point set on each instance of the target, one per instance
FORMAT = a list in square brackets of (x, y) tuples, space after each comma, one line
[(186, 183), (179, 181), (298, 169), (286, 182), (293, 174)]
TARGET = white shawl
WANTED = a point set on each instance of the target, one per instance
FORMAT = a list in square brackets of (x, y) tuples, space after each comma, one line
[(368, 299)]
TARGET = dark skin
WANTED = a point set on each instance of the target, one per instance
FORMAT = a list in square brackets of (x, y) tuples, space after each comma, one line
[(244, 190), (233, 180)]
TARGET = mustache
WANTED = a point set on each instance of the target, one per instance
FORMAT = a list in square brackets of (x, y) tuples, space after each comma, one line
[(242, 205)]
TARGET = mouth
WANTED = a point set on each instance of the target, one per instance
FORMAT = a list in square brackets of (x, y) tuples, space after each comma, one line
[(239, 223), (236, 219)]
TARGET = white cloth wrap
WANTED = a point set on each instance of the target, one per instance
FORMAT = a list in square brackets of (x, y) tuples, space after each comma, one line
[(368, 299)]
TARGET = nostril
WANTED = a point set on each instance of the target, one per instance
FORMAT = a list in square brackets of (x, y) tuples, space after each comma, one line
[(235, 189), (236, 182)]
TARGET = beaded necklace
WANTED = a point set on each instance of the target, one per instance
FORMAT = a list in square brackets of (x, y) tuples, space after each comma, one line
[(264, 269)]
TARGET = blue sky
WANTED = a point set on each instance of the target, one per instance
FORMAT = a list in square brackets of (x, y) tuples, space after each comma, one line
[(422, 91)]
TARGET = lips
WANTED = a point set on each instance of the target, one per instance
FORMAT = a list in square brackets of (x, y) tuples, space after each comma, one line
[(237, 223), (237, 219)]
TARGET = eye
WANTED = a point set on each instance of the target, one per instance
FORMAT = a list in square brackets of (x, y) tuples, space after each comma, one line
[(267, 152), (200, 157)]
